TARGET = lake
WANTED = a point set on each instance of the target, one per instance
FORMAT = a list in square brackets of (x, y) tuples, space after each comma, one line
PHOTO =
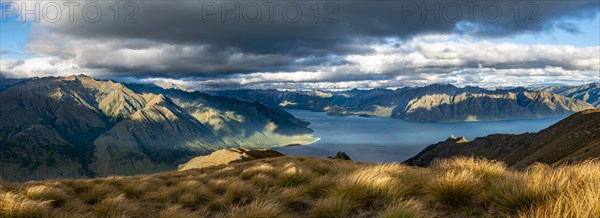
[(378, 139)]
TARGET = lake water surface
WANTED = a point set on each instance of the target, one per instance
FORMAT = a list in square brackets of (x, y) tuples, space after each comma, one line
[(377, 139)]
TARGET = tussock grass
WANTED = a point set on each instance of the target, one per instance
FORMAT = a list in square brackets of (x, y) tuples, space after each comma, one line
[(515, 193), (261, 169), (293, 175), (177, 211), (97, 192), (13, 205), (258, 208), (294, 199), (239, 193), (569, 191), (404, 209), (333, 206), (480, 167), (56, 196), (118, 206), (313, 187), (455, 187)]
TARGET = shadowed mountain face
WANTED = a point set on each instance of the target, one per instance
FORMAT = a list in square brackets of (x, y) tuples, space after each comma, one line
[(574, 138), (429, 103), (79, 126)]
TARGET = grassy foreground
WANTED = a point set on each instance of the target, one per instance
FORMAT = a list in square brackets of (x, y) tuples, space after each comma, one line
[(313, 187)]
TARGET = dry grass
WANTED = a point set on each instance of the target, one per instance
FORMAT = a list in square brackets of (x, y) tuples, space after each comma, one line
[(332, 206), (258, 209), (488, 169), (17, 206), (404, 209), (455, 187), (313, 187)]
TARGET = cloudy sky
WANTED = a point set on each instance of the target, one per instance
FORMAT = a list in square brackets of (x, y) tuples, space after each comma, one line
[(348, 43)]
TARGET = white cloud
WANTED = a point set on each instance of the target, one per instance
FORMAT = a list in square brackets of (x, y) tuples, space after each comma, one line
[(426, 59), (40, 67), (421, 55)]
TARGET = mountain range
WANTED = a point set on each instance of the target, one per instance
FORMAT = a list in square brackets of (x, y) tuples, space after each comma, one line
[(589, 93), (572, 139), (78, 126), (437, 102)]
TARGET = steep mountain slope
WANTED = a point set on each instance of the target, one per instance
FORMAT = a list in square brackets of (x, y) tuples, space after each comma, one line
[(80, 126), (154, 137), (250, 124), (6, 83), (589, 93), (430, 103), (574, 138)]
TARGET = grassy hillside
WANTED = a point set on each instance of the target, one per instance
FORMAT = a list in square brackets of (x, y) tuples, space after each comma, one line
[(313, 187)]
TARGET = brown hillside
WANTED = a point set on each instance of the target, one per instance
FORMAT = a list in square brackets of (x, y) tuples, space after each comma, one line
[(574, 138)]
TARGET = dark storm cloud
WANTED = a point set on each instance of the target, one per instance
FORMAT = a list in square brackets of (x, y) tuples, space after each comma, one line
[(255, 41), (340, 27)]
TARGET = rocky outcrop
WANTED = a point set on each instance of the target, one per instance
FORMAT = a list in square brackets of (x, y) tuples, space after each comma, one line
[(572, 139), (226, 156), (340, 156)]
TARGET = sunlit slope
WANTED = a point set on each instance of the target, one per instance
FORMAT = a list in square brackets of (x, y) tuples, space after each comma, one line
[(80, 126), (588, 92), (249, 124)]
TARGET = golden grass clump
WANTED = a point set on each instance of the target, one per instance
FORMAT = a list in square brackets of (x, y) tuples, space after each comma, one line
[(261, 169), (118, 206), (455, 187), (239, 193), (294, 199), (263, 181), (176, 211), (488, 169), (263, 209), (97, 192), (515, 193), (319, 187), (332, 206), (404, 209), (377, 177), (42, 192), (570, 190), (13, 205), (293, 175), (371, 185)]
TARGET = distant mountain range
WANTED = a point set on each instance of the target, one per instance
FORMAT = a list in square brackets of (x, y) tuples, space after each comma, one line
[(589, 93), (572, 139), (429, 103), (79, 126)]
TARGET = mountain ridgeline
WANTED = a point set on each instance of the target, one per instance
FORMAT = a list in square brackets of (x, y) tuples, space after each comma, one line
[(78, 126), (573, 139), (429, 103), (589, 93)]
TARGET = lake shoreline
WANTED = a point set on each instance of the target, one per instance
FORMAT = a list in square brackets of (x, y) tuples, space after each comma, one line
[(381, 139)]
